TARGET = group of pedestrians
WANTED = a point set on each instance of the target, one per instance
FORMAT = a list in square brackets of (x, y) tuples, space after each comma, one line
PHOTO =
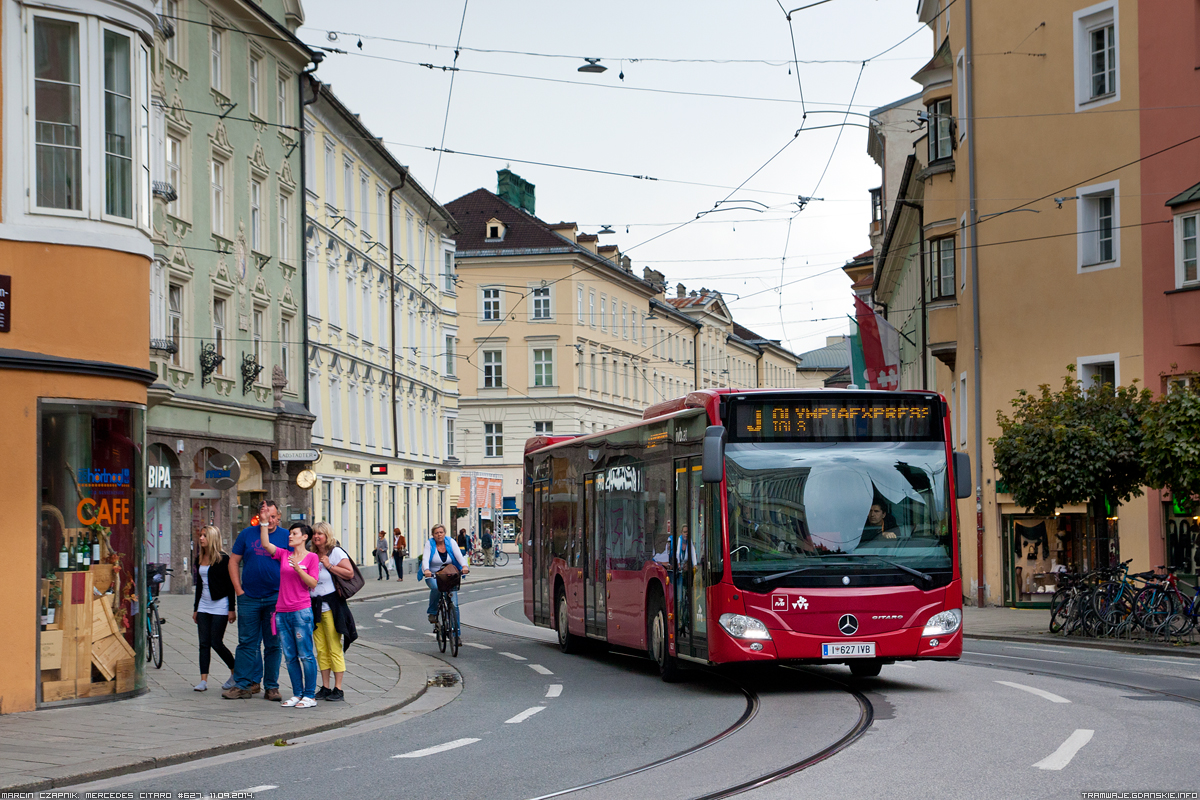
[(399, 553), (279, 587)]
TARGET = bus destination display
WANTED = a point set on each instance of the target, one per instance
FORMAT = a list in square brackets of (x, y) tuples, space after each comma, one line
[(849, 419)]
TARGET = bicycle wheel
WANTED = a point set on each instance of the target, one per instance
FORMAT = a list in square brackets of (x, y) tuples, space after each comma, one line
[(155, 637), (444, 627), (149, 638), (1058, 610), (501, 558), (1152, 606)]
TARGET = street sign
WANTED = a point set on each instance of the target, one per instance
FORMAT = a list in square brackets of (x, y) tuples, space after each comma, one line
[(5, 303), (297, 455)]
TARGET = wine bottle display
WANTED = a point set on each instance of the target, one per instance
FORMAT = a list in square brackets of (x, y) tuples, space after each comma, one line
[(63, 557), (95, 548)]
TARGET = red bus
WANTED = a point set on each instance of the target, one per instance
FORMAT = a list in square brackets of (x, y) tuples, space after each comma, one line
[(729, 525)]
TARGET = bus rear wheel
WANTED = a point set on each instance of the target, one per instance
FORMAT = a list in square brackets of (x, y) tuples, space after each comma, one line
[(866, 669), (567, 641), (657, 642)]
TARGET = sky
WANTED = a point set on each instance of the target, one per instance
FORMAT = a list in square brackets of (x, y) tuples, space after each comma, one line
[(703, 100)]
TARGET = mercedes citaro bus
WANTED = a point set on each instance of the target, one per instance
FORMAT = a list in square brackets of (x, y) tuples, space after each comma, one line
[(753, 525)]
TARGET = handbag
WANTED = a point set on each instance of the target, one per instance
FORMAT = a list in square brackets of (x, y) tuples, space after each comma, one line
[(448, 578), (348, 587)]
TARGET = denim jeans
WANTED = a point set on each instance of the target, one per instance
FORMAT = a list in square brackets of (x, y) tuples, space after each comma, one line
[(296, 638), (252, 665), (435, 596)]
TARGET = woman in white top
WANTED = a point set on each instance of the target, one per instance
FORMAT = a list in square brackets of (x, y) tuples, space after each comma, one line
[(211, 611), (440, 552), (330, 654)]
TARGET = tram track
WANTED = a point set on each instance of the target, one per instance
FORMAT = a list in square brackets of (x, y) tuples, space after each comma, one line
[(866, 716)]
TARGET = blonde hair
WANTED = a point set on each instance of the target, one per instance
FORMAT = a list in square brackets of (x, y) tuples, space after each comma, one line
[(435, 527), (330, 542), (215, 547)]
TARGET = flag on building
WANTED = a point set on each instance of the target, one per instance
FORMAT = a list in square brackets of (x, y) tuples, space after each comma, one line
[(874, 350)]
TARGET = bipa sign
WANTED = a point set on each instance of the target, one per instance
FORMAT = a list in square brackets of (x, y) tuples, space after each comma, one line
[(159, 478)]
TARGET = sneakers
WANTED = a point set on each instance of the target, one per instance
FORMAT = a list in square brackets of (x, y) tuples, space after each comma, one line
[(255, 688), (271, 694), (229, 684), (202, 686), (323, 692), (335, 695), (433, 618), (306, 702), (290, 702), (458, 641), (237, 693)]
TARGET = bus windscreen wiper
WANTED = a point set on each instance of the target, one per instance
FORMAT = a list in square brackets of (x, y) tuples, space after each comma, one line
[(878, 560), (778, 575)]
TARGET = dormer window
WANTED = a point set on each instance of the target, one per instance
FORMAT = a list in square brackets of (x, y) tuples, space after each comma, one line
[(495, 230)]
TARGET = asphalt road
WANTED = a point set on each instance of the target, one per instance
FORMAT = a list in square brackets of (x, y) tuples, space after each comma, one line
[(1009, 720)]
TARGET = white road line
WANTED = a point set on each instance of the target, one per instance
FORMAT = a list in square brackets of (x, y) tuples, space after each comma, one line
[(1066, 751), (555, 690), (405, 628), (1042, 693), (514, 656), (904, 666), (387, 621), (265, 788), (434, 635), (524, 715), (380, 614), (412, 602), (539, 669), (472, 591), (441, 748), (477, 645)]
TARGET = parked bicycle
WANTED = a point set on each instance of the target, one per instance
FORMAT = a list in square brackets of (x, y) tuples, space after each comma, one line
[(499, 557), (1110, 602), (156, 575)]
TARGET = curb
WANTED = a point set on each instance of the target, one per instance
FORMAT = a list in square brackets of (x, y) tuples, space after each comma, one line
[(1091, 644), (410, 686)]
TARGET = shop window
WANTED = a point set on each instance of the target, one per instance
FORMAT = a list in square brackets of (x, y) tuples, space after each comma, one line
[(90, 568)]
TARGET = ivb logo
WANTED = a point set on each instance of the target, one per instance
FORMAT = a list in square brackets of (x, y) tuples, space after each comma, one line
[(780, 602)]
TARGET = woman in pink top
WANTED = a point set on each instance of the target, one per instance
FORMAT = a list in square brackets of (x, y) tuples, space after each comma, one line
[(298, 572)]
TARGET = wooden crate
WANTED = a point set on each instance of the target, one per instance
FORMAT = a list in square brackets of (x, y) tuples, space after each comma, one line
[(58, 690), (52, 649), (125, 675)]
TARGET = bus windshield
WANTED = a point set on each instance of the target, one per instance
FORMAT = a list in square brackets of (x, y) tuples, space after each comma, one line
[(811, 514)]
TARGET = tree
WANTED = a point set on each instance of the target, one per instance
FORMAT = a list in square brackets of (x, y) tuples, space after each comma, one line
[(1077, 445), (1171, 435)]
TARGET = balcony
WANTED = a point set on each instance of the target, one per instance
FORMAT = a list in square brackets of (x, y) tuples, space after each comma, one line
[(1184, 305)]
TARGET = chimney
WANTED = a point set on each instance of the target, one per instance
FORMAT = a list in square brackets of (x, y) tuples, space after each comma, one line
[(680, 290), (515, 190), (655, 279), (627, 264)]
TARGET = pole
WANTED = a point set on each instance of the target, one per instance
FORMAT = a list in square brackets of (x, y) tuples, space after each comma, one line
[(972, 222)]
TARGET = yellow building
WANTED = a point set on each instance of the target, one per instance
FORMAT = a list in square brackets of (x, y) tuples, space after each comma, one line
[(558, 335), (381, 363), (75, 257), (1030, 233)]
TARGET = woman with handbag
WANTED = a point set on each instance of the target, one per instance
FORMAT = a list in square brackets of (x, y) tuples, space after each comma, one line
[(442, 554), (399, 551), (333, 616), (211, 610)]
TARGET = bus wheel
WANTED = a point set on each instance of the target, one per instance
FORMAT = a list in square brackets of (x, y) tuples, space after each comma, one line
[(668, 666), (567, 641), (866, 669)]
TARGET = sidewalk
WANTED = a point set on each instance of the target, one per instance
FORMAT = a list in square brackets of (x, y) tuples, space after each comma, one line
[(171, 723), (1033, 625)]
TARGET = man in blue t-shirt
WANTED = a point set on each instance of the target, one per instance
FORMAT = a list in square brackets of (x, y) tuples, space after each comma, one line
[(255, 578)]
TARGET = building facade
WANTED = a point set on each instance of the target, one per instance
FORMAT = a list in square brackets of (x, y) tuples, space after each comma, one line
[(558, 335), (75, 254), (227, 291), (382, 328)]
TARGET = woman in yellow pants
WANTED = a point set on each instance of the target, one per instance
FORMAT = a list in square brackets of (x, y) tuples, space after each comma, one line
[(331, 614)]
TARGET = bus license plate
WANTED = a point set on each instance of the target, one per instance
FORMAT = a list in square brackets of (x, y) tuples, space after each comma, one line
[(848, 650)]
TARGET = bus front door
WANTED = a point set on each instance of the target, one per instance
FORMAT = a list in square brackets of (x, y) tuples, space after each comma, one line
[(540, 553), (688, 554)]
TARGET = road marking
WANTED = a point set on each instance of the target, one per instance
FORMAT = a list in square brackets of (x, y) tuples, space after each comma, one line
[(265, 788), (405, 628), (477, 645), (1042, 693), (441, 748), (524, 715), (555, 690), (412, 602), (472, 591), (514, 656), (380, 614), (434, 635), (539, 669), (1066, 751), (387, 621), (904, 666)]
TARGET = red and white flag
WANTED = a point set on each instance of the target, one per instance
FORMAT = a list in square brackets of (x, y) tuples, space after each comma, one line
[(880, 348)]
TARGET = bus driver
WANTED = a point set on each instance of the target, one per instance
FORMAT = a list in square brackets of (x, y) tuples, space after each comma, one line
[(876, 522)]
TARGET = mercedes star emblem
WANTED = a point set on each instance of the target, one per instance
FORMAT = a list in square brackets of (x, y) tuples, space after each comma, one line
[(848, 625)]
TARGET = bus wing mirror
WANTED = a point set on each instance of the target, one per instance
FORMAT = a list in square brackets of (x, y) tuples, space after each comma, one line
[(962, 475), (712, 464)]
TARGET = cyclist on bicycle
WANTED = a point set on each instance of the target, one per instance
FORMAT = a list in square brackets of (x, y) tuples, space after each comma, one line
[(441, 552)]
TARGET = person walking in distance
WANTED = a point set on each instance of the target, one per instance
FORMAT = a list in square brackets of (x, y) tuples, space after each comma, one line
[(331, 614), (489, 554), (399, 551), (381, 556), (211, 611), (464, 543), (255, 578), (298, 571)]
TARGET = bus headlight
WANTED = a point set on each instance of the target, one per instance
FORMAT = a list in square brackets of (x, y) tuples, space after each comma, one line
[(944, 623), (739, 626)]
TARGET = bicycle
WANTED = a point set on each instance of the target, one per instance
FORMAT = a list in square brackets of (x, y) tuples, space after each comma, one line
[(499, 557), (443, 629), (156, 574)]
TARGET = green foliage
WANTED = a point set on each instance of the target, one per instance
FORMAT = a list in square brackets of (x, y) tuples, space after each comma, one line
[(1076, 445), (1171, 431)]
